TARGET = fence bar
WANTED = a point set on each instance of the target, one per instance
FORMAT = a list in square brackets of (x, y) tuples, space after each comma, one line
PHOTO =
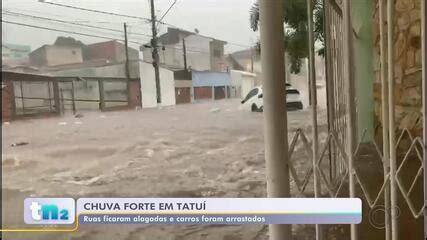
[(348, 76), (424, 91), (22, 96), (101, 95), (62, 101), (385, 119), (73, 97), (275, 115), (392, 137), (329, 78), (313, 94)]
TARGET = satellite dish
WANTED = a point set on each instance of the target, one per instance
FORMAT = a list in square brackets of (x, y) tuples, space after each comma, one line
[(196, 30)]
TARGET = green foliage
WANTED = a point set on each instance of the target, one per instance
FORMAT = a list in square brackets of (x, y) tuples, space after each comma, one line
[(296, 33)]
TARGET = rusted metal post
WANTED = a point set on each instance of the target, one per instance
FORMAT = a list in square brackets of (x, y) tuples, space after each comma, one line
[(313, 94), (385, 119), (275, 115), (73, 97), (101, 95), (348, 75)]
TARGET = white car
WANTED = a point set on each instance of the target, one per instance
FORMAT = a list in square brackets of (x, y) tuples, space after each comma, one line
[(254, 99)]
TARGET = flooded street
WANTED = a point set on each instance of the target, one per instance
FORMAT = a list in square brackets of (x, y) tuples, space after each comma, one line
[(210, 149)]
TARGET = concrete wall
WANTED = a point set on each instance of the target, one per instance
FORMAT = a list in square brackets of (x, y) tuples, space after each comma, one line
[(243, 80), (218, 62), (117, 70), (60, 55), (112, 50), (198, 53), (408, 66), (148, 86)]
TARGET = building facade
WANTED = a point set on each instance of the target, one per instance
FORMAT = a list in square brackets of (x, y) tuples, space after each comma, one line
[(52, 55), (201, 53)]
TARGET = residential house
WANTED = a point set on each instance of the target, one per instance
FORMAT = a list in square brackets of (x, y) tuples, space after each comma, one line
[(53, 55), (202, 52), (14, 51), (113, 51)]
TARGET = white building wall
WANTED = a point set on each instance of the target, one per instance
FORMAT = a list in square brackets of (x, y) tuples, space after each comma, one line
[(198, 54), (245, 80), (148, 86)]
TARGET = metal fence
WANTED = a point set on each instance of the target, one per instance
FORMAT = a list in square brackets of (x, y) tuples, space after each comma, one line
[(34, 97), (377, 174), (85, 94)]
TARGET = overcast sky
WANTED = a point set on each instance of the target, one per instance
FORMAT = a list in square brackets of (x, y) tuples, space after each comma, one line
[(222, 19)]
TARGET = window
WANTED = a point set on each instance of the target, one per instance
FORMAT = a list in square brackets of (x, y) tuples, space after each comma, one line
[(252, 93), (292, 91), (217, 53)]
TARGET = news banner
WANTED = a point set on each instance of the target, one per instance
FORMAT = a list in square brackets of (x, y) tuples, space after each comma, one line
[(192, 211)]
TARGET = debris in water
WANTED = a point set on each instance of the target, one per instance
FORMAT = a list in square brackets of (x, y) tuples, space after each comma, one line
[(19, 144), (62, 123), (79, 115), (214, 110), (78, 122)]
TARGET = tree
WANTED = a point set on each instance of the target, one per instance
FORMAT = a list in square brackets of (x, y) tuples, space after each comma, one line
[(296, 31)]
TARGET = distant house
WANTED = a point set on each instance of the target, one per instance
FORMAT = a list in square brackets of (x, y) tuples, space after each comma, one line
[(14, 51), (113, 51), (245, 60), (53, 55), (202, 52), (175, 86), (103, 59)]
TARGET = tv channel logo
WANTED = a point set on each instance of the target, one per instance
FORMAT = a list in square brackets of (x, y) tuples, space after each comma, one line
[(49, 210)]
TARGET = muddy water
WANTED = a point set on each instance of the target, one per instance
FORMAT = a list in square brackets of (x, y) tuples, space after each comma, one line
[(183, 151)]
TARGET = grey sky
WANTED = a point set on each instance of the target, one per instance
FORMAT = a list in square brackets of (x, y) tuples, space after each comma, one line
[(223, 19)]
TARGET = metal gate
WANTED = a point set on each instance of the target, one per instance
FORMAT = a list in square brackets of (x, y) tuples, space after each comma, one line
[(345, 168)]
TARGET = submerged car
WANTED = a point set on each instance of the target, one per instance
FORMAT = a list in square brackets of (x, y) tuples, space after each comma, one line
[(254, 99)]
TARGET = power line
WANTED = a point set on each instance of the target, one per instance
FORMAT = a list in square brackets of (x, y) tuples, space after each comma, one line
[(68, 22), (65, 31), (91, 35), (128, 16), (171, 6), (96, 11)]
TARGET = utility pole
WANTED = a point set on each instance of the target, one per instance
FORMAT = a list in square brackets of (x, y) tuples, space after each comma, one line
[(127, 71), (155, 53), (184, 52), (126, 51), (275, 117)]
